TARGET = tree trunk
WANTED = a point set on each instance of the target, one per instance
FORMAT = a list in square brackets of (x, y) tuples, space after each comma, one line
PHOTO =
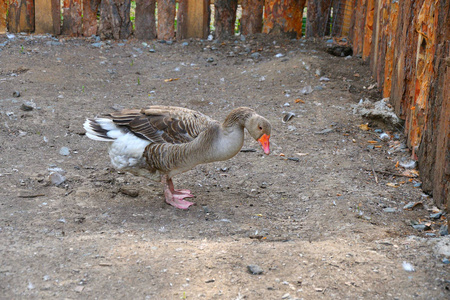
[(21, 16), (115, 19), (90, 11), (284, 17), (225, 18), (3, 10), (166, 19), (145, 21), (252, 16)]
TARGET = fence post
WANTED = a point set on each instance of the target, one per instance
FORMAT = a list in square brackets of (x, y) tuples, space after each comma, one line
[(21, 16), (225, 17), (48, 16), (145, 21), (90, 10), (166, 19), (284, 17), (318, 14), (71, 17), (115, 19), (3, 9), (252, 16), (197, 20)]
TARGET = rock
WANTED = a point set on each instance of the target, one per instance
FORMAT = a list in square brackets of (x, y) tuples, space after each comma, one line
[(325, 131), (443, 231), (318, 88), (306, 90), (27, 106), (389, 210), (443, 246), (151, 50), (16, 94), (255, 269), (377, 110), (408, 164), (323, 78), (64, 151), (210, 59), (286, 296), (445, 261), (408, 267), (56, 178), (436, 215), (185, 44), (54, 43), (255, 55), (129, 191), (97, 45), (279, 55), (419, 227)]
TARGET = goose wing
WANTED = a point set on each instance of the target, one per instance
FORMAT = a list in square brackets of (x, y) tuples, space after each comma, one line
[(163, 124)]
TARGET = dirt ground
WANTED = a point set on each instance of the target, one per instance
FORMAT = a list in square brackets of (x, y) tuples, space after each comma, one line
[(312, 215)]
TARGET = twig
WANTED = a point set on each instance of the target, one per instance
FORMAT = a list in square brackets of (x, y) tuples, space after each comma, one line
[(31, 196), (373, 169), (390, 173)]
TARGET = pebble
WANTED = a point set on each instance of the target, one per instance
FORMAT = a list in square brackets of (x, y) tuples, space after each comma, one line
[(286, 296), (255, 269), (443, 231), (408, 267), (445, 261), (210, 59), (417, 184), (325, 131), (151, 50), (64, 151), (3, 44), (97, 45), (16, 94), (56, 178), (419, 227), (306, 90), (436, 215), (129, 191), (185, 44), (318, 88), (169, 42), (323, 78), (54, 43), (255, 55), (279, 55), (378, 130), (389, 210)]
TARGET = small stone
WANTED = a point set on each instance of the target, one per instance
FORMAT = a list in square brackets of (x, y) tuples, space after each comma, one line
[(419, 227), (306, 90), (408, 267), (318, 88), (16, 94), (169, 42), (389, 210), (151, 50), (445, 261), (30, 286), (54, 43), (318, 72), (255, 269), (443, 231), (323, 78), (210, 59), (417, 184), (378, 130), (46, 278), (263, 185), (27, 106), (129, 191), (286, 296), (185, 44), (255, 55), (436, 215), (97, 45), (279, 55), (56, 178), (64, 151)]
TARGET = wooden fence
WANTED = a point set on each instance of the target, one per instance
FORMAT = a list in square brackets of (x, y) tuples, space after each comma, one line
[(110, 19), (407, 45)]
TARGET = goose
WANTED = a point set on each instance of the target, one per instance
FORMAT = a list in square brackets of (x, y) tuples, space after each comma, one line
[(159, 142)]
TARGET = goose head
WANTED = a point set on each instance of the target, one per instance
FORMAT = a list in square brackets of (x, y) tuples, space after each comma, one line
[(259, 128)]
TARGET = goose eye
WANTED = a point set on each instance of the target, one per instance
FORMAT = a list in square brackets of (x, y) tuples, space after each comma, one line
[(260, 128)]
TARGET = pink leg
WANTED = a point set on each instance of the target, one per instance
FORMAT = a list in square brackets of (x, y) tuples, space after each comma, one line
[(174, 197)]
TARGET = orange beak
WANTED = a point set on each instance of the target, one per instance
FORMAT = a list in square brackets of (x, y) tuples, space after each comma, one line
[(264, 141)]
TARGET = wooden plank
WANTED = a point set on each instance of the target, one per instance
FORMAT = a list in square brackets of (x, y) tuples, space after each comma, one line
[(182, 20), (252, 16), (356, 33), (166, 19), (47, 16), (21, 16), (391, 45), (90, 11), (284, 17), (3, 10), (197, 19), (115, 19), (434, 149), (368, 30), (71, 17), (224, 17), (145, 20)]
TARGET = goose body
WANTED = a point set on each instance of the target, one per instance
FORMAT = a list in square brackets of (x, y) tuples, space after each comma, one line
[(160, 142)]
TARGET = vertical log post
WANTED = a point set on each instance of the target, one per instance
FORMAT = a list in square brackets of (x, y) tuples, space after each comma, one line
[(284, 17), (71, 17), (182, 20), (48, 16), (368, 29), (225, 18), (166, 19), (90, 10), (318, 15), (21, 16), (115, 19), (3, 9), (252, 16), (196, 22), (145, 22)]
